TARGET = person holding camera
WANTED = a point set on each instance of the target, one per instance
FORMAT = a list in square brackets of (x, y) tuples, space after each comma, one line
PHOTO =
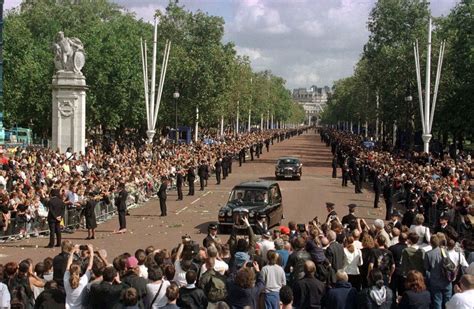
[(74, 283)]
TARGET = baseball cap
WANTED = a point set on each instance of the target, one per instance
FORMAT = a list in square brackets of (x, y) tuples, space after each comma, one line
[(241, 258), (132, 262), (285, 230)]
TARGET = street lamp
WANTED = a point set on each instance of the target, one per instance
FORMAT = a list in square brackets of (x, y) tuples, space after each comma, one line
[(176, 97)]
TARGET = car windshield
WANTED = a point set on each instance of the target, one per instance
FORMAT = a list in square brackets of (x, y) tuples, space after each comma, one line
[(249, 197), (288, 161)]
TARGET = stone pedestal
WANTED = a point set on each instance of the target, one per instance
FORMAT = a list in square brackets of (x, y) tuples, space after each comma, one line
[(69, 111)]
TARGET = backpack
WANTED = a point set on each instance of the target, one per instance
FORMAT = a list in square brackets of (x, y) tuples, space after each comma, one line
[(325, 273), (450, 269), (214, 285)]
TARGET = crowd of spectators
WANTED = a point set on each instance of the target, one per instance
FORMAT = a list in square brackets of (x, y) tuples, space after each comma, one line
[(28, 176), (340, 262)]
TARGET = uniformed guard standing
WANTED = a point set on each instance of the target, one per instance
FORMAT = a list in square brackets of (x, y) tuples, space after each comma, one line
[(345, 174), (334, 167), (218, 170), (162, 196), (225, 167), (202, 174), (267, 144), (230, 158), (179, 183), (242, 156), (252, 150), (191, 177)]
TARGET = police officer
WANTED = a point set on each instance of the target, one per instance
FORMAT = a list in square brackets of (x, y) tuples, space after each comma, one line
[(202, 171), (252, 150), (179, 183), (121, 204), (211, 238), (162, 196), (332, 214), (191, 177), (334, 167), (350, 220), (225, 167), (218, 170), (56, 211), (241, 156)]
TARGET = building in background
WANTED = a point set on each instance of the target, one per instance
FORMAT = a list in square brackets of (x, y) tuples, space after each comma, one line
[(313, 100)]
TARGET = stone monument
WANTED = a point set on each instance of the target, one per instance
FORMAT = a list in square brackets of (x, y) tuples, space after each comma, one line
[(69, 95)]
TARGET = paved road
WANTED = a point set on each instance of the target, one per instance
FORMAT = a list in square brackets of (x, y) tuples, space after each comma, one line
[(303, 200)]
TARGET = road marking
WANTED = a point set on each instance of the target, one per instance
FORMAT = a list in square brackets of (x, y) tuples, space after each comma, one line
[(181, 210), (195, 200), (206, 193)]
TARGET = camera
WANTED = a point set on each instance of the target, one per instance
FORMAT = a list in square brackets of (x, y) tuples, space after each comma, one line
[(301, 227)]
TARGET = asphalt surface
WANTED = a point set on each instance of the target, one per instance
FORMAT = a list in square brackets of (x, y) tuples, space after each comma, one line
[(303, 200)]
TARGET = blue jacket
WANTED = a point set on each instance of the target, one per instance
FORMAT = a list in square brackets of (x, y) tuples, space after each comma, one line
[(342, 296)]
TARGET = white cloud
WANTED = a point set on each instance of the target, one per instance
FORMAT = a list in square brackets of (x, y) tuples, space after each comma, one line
[(10, 4)]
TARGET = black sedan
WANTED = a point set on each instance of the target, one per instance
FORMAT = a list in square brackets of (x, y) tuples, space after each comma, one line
[(255, 199), (288, 167)]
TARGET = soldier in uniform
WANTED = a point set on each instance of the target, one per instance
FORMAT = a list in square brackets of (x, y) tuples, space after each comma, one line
[(179, 183), (334, 167), (345, 174), (211, 238), (162, 196), (387, 195), (56, 211), (121, 204), (230, 158), (242, 156), (191, 177), (350, 220), (252, 150), (356, 175), (202, 170), (267, 144), (218, 169), (332, 214), (225, 167), (377, 189)]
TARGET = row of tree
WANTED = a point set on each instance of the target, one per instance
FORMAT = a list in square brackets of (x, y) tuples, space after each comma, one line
[(206, 72), (385, 75)]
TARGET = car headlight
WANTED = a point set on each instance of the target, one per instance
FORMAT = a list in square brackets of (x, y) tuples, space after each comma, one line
[(221, 213), (229, 213)]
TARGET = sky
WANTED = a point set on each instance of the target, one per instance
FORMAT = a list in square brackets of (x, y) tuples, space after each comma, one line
[(307, 42)]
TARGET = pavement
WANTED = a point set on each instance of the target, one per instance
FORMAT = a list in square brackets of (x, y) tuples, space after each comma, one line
[(302, 200)]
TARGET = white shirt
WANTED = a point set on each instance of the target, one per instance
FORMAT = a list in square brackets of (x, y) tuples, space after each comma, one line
[(74, 296), (458, 258), (219, 266), (143, 271), (464, 300), (424, 234), (179, 275), (4, 296), (151, 290), (265, 246), (357, 244), (352, 261)]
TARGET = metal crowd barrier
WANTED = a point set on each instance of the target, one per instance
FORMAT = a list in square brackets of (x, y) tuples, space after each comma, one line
[(73, 217)]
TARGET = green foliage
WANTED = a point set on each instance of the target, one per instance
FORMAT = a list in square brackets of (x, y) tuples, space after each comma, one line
[(387, 69), (207, 73)]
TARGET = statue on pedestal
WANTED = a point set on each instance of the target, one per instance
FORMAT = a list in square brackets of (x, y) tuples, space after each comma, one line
[(69, 55)]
